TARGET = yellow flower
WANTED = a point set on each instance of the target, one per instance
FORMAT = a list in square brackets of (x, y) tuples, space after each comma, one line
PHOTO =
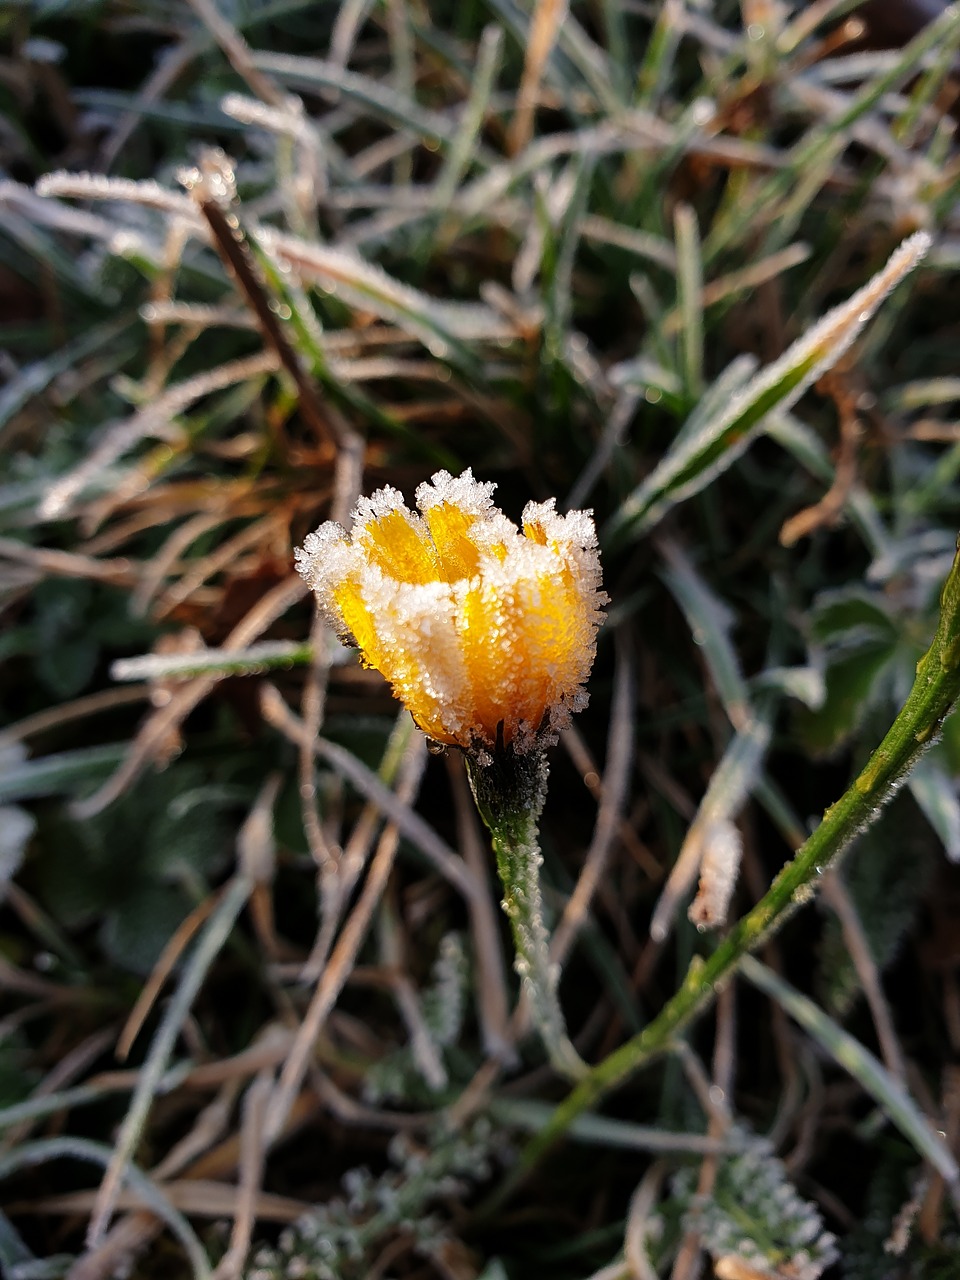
[(486, 632)]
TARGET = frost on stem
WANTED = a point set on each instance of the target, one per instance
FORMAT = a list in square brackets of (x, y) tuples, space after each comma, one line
[(509, 791)]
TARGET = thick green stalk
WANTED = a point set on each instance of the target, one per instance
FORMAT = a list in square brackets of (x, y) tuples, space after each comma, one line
[(932, 698), (510, 791)]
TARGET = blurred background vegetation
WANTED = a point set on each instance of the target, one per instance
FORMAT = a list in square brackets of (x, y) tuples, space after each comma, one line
[(552, 244)]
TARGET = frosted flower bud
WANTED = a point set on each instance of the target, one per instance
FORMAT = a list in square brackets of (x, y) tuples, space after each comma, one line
[(486, 632)]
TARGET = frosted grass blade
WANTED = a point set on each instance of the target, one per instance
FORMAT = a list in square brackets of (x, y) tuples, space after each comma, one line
[(861, 1064), (698, 459)]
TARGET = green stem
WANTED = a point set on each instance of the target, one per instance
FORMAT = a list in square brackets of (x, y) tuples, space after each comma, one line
[(510, 790), (932, 698)]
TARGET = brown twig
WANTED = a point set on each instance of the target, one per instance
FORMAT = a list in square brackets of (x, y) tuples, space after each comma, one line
[(211, 186), (826, 512), (609, 814), (344, 954), (835, 893)]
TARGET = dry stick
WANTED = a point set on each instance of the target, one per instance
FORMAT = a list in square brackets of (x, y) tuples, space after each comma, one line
[(409, 823), (252, 1154), (256, 855), (545, 25), (829, 509), (638, 1226), (134, 1232), (124, 1241), (347, 481), (219, 927), (65, 564), (156, 569), (346, 1110), (929, 1221), (584, 763), (258, 534), (687, 1264), (166, 719), (489, 972), (353, 857), (90, 705), (346, 27), (195, 1197), (208, 187), (835, 892), (616, 777), (154, 418), (166, 961), (208, 1129), (238, 54), (344, 954), (68, 1068), (172, 61)]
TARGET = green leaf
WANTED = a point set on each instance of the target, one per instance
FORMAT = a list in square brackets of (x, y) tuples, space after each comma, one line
[(935, 791), (62, 773), (134, 936), (855, 610), (16, 828), (137, 866), (851, 681)]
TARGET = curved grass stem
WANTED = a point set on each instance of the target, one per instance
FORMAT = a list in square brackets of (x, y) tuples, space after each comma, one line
[(916, 727)]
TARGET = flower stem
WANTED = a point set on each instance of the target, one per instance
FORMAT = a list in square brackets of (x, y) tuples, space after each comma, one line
[(509, 792), (930, 701)]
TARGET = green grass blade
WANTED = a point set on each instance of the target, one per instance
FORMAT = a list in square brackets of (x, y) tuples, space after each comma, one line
[(699, 458)]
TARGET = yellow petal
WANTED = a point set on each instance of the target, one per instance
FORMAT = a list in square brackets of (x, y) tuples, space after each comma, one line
[(401, 549), (359, 621), (534, 530), (449, 527), (485, 659), (484, 634)]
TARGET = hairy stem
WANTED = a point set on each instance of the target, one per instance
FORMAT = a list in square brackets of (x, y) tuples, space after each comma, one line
[(510, 791), (932, 698)]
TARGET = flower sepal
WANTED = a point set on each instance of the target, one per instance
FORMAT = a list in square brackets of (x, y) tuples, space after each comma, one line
[(509, 787)]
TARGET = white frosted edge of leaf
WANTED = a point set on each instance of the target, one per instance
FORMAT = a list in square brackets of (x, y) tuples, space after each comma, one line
[(157, 666), (474, 497), (346, 270), (97, 186), (324, 560), (284, 120), (575, 528), (382, 502), (494, 530), (836, 331)]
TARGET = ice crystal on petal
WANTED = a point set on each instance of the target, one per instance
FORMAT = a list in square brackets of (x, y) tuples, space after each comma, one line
[(486, 632)]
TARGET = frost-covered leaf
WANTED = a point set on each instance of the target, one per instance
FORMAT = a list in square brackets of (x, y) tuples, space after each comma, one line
[(16, 828), (935, 791), (885, 874), (852, 680), (756, 1216)]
